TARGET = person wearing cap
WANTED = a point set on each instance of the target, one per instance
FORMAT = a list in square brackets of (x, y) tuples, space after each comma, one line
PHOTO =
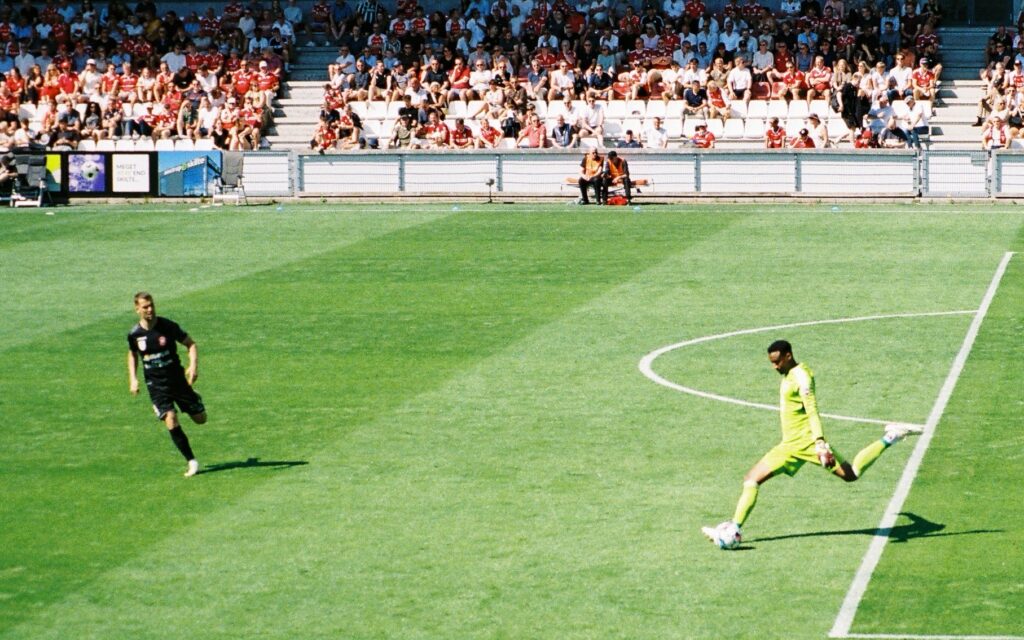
[(802, 140), (702, 138), (89, 79), (818, 131), (922, 81), (402, 133), (915, 121)]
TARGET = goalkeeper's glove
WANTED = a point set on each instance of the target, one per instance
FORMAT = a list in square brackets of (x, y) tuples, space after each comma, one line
[(824, 453)]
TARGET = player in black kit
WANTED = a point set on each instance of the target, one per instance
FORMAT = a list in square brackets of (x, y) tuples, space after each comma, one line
[(154, 340)]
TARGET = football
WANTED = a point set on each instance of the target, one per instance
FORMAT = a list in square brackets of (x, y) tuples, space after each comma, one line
[(90, 170), (729, 536)]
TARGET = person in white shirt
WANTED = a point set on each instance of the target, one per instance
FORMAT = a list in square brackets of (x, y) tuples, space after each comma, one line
[(915, 121), (739, 82), (247, 23), (479, 80), (598, 11), (516, 20), (763, 62), (285, 28), (707, 38), (345, 61), (293, 14), (692, 73), (591, 121), (562, 83), (24, 61), (901, 73), (573, 114), (683, 54), (673, 8), (89, 80), (730, 37), (525, 6), (650, 37), (655, 136), (175, 59), (790, 7)]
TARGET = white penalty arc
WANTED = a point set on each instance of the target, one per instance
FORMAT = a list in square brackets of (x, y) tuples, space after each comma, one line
[(647, 362)]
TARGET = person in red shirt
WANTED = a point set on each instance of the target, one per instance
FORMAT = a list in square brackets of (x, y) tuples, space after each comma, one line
[(243, 79), (782, 59), (702, 138), (819, 80), (461, 135), (534, 135), (489, 137), (865, 140), (68, 81), (435, 133), (126, 85), (792, 83), (802, 141), (458, 81), (630, 22), (922, 81), (751, 11), (694, 9), (267, 81), (545, 57), (324, 138), (774, 135)]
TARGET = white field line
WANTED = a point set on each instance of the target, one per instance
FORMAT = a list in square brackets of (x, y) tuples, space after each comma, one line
[(647, 362), (896, 636), (844, 620)]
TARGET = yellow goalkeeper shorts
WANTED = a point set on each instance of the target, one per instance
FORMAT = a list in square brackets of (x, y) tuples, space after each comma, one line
[(788, 458)]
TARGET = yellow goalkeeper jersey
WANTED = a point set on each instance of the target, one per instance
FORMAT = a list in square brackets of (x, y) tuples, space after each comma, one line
[(798, 407)]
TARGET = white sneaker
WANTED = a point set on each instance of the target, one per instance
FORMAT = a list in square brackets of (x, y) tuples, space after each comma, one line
[(896, 431), (193, 468)]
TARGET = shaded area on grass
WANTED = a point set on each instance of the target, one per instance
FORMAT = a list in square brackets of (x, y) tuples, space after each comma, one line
[(250, 464), (918, 527)]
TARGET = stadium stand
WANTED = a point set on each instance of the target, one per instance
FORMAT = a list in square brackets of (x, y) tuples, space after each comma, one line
[(79, 75), (813, 65)]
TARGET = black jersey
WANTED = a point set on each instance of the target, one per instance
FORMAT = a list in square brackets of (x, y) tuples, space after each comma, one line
[(159, 350)]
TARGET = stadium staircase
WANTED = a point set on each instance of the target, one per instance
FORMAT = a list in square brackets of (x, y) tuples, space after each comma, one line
[(298, 107)]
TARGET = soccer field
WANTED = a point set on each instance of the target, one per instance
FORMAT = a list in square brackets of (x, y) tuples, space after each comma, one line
[(431, 422)]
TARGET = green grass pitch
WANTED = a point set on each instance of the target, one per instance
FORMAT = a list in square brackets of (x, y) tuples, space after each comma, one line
[(430, 423)]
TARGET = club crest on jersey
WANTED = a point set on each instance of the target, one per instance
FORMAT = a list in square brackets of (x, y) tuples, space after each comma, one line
[(141, 342), (163, 341)]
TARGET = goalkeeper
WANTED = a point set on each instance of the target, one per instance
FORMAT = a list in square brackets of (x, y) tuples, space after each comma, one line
[(802, 437)]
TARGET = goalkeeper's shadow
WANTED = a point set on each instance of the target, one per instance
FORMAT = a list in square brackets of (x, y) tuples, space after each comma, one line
[(918, 527), (251, 463)]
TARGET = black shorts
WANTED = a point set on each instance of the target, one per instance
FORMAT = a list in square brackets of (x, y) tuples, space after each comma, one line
[(164, 398)]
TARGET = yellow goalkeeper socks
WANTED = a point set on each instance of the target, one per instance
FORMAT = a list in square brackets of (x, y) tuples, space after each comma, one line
[(746, 503), (867, 456)]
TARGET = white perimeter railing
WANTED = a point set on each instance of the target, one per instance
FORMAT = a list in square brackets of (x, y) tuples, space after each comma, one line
[(675, 174)]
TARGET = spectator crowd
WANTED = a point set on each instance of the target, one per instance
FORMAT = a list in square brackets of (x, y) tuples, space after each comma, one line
[(534, 74), (78, 75), (1001, 107)]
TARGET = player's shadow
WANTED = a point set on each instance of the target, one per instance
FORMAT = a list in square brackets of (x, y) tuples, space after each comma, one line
[(251, 463), (918, 527)]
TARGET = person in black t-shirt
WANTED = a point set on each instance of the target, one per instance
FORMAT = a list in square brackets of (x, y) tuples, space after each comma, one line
[(154, 340)]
